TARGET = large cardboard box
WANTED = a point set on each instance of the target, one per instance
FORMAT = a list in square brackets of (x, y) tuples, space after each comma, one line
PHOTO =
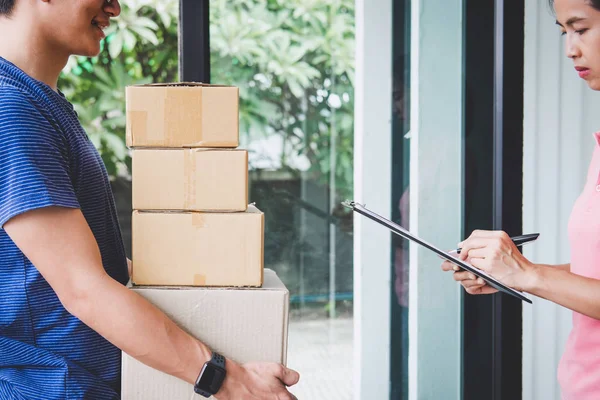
[(245, 325), (198, 249), (182, 115), (190, 179)]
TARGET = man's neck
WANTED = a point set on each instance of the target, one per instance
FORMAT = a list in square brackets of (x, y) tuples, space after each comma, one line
[(27, 49)]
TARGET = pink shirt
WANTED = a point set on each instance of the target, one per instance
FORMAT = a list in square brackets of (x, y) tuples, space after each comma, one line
[(579, 369)]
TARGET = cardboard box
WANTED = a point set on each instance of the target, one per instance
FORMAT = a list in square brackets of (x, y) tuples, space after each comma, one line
[(182, 115), (198, 249), (190, 179), (242, 324)]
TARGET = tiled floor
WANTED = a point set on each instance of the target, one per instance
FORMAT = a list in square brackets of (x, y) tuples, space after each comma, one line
[(321, 351)]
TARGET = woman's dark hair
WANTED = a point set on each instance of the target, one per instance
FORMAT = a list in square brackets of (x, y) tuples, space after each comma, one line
[(6, 6), (593, 3)]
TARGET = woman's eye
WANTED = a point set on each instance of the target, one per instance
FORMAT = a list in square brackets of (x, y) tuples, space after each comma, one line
[(579, 32)]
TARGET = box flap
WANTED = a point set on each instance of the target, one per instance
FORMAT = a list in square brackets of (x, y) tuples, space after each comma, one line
[(180, 84), (252, 209), (271, 282)]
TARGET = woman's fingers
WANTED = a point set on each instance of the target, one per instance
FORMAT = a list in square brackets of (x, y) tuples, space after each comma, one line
[(463, 276), (448, 266), (471, 244), (485, 289), (473, 283), (487, 234), (480, 263), (481, 252)]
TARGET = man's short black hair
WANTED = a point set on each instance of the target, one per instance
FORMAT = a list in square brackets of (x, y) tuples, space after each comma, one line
[(6, 6)]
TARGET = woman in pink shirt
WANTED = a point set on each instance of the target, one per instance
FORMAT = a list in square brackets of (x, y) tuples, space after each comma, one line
[(575, 285)]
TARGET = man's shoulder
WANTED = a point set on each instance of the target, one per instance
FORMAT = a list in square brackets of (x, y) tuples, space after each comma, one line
[(14, 99), (22, 119)]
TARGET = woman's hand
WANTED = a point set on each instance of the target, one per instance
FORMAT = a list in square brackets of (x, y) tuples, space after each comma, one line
[(494, 253), (471, 283)]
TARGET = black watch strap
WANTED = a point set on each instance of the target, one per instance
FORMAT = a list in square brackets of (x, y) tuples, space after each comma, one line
[(218, 360), (211, 377)]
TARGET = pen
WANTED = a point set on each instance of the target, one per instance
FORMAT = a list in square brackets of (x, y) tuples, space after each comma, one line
[(517, 240)]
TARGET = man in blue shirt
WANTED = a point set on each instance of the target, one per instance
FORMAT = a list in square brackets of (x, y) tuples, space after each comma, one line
[(65, 314)]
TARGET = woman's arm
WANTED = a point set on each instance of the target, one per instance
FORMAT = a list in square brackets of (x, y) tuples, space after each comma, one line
[(495, 253), (474, 285), (572, 291), (562, 267)]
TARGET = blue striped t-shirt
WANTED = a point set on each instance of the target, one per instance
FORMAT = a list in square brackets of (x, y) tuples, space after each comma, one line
[(46, 159)]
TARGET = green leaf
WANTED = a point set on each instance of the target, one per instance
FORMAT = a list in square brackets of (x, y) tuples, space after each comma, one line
[(115, 144), (146, 34), (116, 45), (129, 40)]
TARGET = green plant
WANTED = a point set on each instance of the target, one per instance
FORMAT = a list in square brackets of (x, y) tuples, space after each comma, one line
[(293, 61), (129, 56)]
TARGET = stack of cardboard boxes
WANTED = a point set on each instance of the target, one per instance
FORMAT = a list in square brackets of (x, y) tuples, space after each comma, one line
[(197, 245)]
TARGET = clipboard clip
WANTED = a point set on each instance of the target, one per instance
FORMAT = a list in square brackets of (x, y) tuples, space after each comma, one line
[(352, 204)]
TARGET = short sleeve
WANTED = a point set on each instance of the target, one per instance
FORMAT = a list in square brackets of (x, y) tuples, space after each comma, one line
[(34, 169)]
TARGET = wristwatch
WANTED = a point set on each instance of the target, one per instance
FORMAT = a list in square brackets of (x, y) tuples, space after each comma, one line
[(211, 377)]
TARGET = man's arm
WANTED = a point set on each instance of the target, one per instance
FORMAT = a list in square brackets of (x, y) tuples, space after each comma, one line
[(60, 244)]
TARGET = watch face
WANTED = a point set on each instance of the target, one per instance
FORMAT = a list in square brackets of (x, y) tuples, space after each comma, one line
[(211, 378)]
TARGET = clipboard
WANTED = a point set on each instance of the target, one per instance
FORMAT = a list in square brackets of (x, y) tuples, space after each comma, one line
[(397, 229)]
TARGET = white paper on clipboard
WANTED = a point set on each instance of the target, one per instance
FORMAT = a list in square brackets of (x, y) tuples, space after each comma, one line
[(397, 229)]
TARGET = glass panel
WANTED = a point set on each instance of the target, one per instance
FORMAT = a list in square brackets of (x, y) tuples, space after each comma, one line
[(438, 207), (293, 61), (96, 86), (400, 203)]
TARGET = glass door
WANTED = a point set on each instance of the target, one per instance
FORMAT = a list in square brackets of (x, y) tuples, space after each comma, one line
[(294, 63)]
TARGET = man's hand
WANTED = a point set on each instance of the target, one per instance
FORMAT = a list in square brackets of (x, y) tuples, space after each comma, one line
[(257, 381)]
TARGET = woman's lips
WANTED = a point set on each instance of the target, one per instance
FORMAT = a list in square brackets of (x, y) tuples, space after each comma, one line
[(583, 72)]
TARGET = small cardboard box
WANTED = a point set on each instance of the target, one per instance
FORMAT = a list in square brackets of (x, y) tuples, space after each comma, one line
[(245, 325), (190, 179), (182, 115), (198, 249)]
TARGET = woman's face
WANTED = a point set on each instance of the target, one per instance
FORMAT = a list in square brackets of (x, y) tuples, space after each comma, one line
[(580, 24), (75, 27)]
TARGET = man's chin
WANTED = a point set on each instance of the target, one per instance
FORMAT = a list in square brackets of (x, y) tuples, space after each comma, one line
[(89, 51)]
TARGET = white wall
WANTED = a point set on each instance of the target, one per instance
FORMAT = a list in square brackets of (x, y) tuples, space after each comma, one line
[(561, 114)]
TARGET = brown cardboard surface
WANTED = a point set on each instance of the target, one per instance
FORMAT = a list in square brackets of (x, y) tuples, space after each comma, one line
[(182, 115), (190, 179), (242, 324), (192, 248)]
